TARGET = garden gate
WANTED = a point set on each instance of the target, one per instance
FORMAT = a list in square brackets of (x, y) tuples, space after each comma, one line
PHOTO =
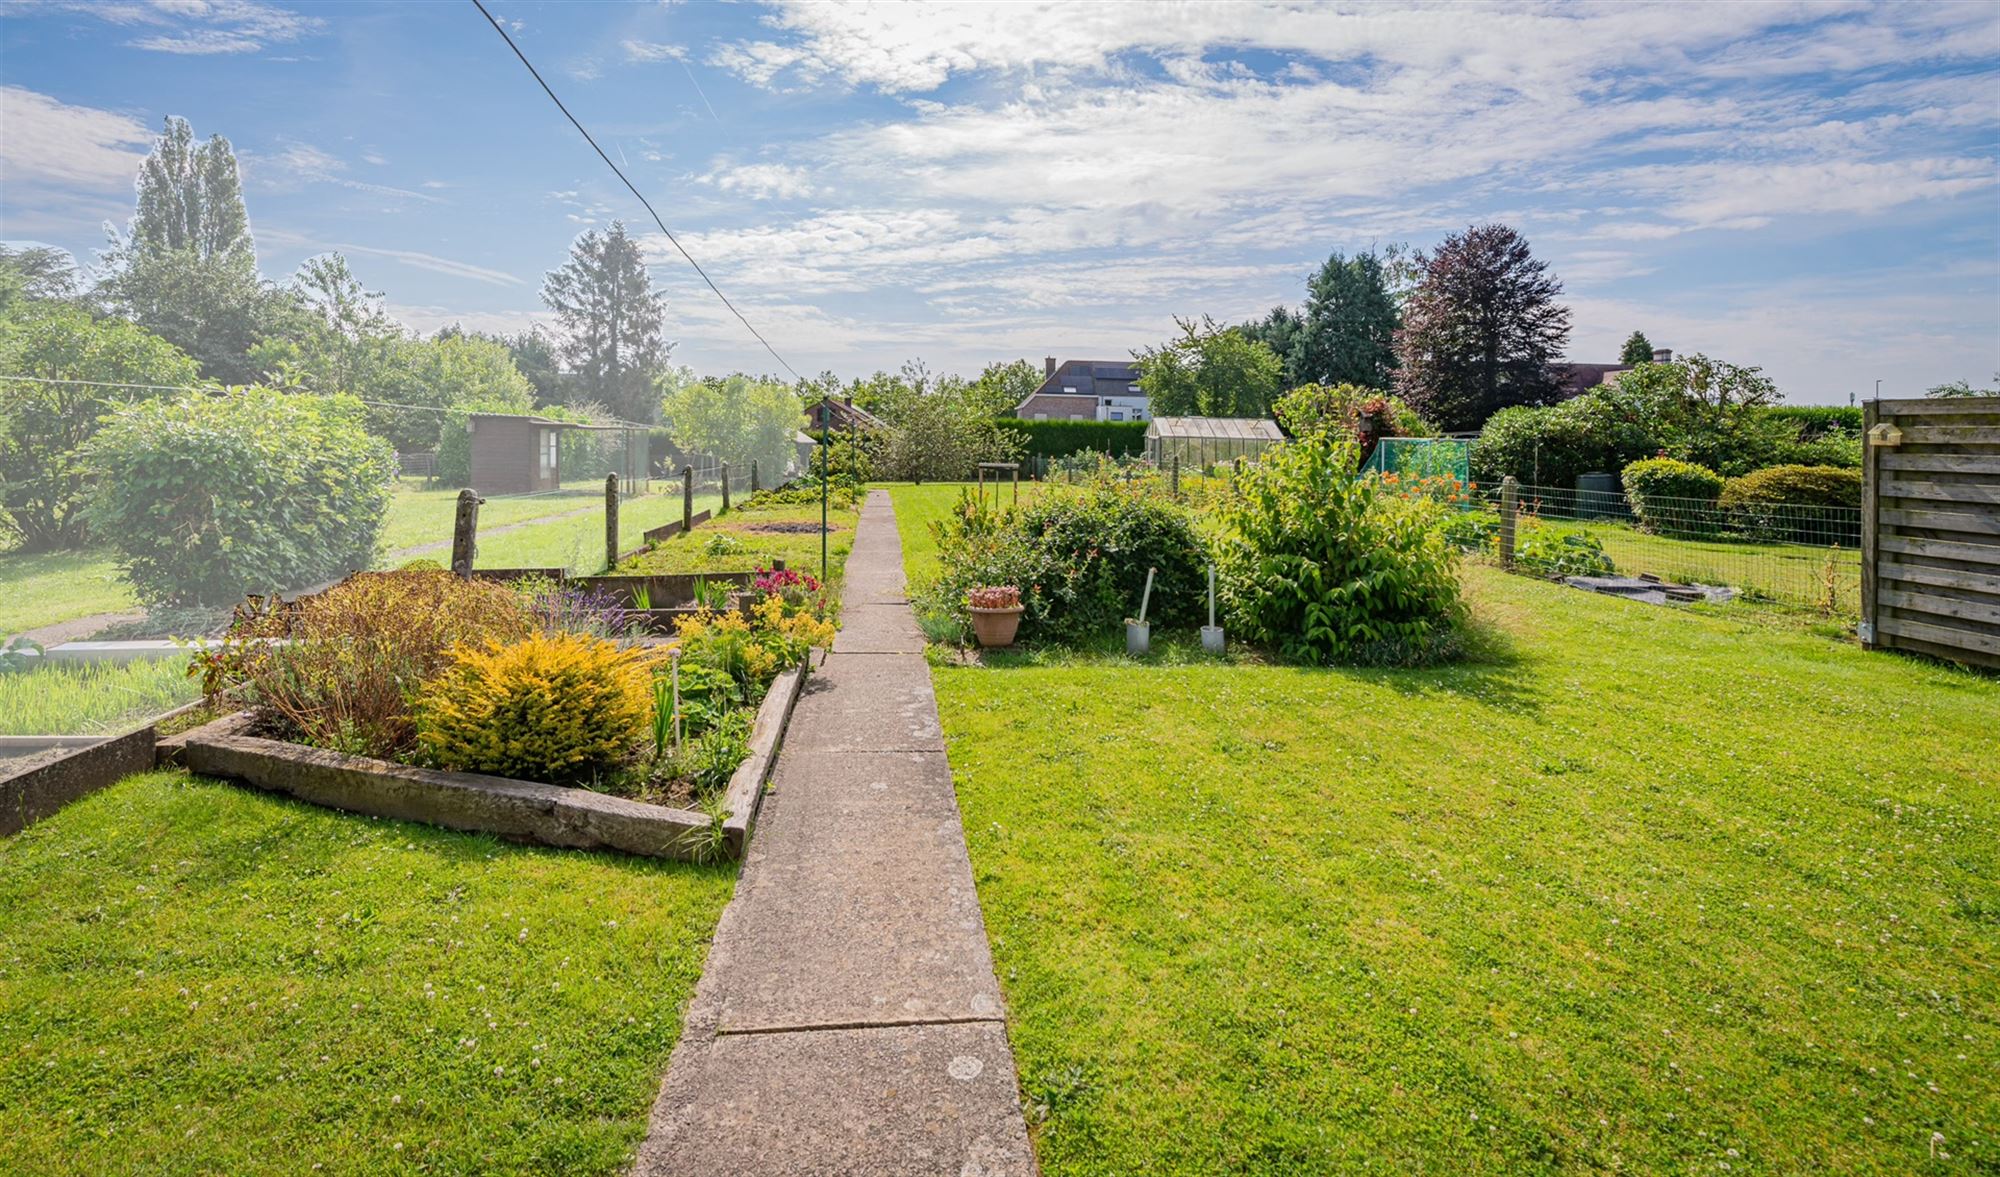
[(1930, 528)]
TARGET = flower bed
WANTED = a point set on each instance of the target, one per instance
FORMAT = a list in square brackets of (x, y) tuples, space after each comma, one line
[(407, 693)]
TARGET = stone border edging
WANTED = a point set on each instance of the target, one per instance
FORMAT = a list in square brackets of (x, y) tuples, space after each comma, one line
[(38, 786), (745, 794), (527, 811)]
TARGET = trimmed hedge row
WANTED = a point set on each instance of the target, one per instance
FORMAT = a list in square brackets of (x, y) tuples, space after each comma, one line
[(1056, 439), (1816, 421)]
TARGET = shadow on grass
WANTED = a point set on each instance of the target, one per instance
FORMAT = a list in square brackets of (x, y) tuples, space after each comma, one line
[(1489, 668)]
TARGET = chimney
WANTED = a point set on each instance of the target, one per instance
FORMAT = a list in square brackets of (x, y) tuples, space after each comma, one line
[(1048, 367), (1663, 355), (848, 400)]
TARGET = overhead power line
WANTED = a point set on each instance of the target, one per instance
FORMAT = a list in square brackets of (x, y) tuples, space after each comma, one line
[(222, 390), (633, 188)]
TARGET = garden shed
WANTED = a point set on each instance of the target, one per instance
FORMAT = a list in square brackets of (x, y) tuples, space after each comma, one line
[(1201, 441), (520, 454)]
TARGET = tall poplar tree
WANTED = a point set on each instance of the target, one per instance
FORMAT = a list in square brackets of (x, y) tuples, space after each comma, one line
[(611, 323)]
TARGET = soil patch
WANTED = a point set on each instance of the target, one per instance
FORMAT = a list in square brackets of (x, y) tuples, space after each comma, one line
[(787, 528)]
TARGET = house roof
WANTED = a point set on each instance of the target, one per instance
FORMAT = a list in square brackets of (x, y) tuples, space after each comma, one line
[(843, 415), (1229, 428), (1094, 378), (1577, 379)]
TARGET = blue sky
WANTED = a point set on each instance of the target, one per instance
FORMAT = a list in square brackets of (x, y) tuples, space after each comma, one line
[(1810, 188)]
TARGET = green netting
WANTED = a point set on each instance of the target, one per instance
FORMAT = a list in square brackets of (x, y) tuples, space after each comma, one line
[(1422, 457)]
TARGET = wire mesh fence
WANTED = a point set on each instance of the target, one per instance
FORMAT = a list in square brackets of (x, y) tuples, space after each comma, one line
[(1790, 553)]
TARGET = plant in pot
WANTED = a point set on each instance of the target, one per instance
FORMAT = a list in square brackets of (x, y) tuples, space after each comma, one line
[(996, 614)]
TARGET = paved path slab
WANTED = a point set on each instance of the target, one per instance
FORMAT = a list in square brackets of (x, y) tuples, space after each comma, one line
[(867, 703), (848, 1021)]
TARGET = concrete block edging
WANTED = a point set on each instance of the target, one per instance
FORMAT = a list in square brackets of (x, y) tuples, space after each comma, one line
[(521, 811)]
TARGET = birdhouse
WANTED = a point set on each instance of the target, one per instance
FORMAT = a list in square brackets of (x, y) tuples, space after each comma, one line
[(1885, 434)]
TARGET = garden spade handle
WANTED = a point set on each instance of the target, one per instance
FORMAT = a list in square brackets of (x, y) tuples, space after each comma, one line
[(1146, 597)]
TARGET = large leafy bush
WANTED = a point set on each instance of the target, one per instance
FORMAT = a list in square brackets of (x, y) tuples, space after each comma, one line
[(338, 670), (568, 709), (1802, 504), (1080, 561), (1326, 566), (209, 497), (1673, 497)]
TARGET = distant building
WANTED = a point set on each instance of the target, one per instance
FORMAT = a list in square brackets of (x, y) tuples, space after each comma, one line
[(1086, 390), (840, 413), (1577, 379)]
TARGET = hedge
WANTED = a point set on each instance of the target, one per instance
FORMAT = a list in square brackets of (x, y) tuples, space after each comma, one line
[(1816, 421), (1056, 439), (1801, 504), (1672, 497)]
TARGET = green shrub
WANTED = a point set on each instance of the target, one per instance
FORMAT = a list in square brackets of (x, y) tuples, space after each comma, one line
[(209, 497), (1799, 504), (336, 670), (1329, 567), (1816, 421), (1549, 447), (1541, 551), (566, 709), (1057, 439), (1079, 560), (1344, 409), (1673, 497)]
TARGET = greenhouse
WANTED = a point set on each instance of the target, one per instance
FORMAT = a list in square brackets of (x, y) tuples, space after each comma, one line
[(1204, 441), (1422, 457)]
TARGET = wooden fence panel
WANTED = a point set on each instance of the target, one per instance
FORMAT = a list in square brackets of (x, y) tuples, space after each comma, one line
[(1930, 528)]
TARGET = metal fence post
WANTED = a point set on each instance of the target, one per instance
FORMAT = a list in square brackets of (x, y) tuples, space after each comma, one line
[(687, 498), (611, 520), (725, 488), (464, 533), (1510, 501)]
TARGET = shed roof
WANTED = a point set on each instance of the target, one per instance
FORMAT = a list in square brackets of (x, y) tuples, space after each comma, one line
[(1232, 428)]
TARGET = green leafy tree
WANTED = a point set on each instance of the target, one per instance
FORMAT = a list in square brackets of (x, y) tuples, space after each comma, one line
[(535, 356), (1482, 330), (44, 485), (1211, 371), (35, 274), (1282, 330), (734, 418), (1001, 387), (939, 437), (191, 198), (1348, 334), (1637, 350), (211, 495), (611, 322), (1704, 411), (1961, 388)]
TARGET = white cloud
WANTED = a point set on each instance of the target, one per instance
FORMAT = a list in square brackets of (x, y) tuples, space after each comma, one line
[(302, 163), (761, 181), (49, 144), (654, 51), (194, 27)]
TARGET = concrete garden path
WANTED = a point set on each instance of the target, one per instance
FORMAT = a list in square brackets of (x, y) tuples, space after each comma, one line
[(848, 1020)]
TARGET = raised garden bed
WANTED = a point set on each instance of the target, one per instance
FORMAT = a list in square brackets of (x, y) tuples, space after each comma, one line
[(523, 811)]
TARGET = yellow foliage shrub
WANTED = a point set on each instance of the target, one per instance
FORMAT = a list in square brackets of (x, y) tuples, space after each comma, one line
[(561, 708)]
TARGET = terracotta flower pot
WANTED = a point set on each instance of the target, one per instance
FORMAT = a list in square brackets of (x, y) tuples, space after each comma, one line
[(995, 627)]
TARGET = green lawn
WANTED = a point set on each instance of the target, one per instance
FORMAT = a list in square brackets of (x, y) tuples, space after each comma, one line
[(38, 590), (197, 978), (1795, 574), (749, 539), (1644, 891), (44, 588), (86, 698)]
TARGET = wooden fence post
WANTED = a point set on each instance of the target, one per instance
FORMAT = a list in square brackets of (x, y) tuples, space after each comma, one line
[(725, 488), (687, 498), (1871, 513), (610, 521), (754, 488), (1510, 501), (1177, 476), (464, 533)]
